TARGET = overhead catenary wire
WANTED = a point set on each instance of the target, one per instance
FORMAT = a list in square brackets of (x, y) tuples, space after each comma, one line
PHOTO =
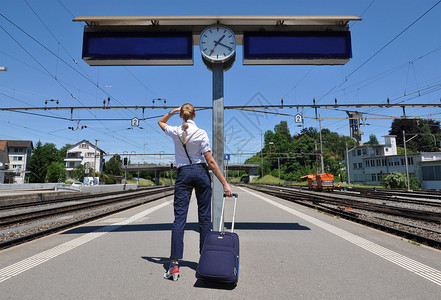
[(113, 127), (36, 130), (380, 50), (58, 57), (393, 39), (65, 8), (50, 74), (408, 94), (36, 60), (140, 82), (55, 38)]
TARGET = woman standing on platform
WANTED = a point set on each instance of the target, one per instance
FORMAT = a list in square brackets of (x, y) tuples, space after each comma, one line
[(193, 158)]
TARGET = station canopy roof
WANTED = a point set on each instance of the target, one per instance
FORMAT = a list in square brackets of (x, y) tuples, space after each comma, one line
[(238, 21), (278, 27), (319, 20)]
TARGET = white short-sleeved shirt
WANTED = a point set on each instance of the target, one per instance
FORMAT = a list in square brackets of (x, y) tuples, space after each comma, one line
[(196, 146)]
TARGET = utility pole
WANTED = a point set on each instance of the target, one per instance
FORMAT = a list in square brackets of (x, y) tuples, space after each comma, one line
[(261, 151), (316, 162), (94, 162), (321, 146), (137, 183), (278, 165), (407, 163), (347, 166), (125, 169)]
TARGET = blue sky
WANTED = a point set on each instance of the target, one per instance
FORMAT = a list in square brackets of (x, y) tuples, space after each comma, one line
[(406, 71)]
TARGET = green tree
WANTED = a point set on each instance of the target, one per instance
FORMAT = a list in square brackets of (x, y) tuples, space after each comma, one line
[(113, 166), (56, 172), (42, 157), (426, 134), (299, 154), (372, 140), (395, 181), (62, 152), (37, 166), (399, 181), (79, 173)]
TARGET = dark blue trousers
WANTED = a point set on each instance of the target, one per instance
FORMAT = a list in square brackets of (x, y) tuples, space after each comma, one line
[(190, 177)]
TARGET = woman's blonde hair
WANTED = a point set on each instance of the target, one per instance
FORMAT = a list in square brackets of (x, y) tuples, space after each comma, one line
[(187, 113)]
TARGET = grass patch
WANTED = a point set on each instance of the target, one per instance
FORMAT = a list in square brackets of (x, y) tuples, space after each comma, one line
[(147, 182), (269, 179), (329, 214), (361, 186), (414, 243), (142, 182), (234, 180)]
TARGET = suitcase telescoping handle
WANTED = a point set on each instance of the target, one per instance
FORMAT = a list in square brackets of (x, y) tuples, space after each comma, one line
[(222, 213)]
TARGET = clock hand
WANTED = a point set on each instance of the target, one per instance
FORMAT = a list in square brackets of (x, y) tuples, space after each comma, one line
[(228, 47), (216, 43)]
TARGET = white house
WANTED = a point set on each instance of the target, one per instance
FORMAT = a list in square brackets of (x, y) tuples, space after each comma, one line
[(430, 174), (4, 161), (84, 153), (369, 163), (18, 154)]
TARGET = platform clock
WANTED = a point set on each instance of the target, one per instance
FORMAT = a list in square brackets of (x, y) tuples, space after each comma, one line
[(217, 44)]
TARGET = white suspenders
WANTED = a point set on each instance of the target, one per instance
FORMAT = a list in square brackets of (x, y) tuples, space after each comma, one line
[(184, 142)]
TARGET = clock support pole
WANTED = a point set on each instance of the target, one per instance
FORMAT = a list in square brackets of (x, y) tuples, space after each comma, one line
[(218, 140)]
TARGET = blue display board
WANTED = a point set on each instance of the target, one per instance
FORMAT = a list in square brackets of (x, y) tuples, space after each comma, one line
[(298, 47), (138, 48)]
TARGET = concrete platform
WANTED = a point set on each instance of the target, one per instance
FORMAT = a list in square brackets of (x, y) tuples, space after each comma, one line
[(287, 252), (21, 196)]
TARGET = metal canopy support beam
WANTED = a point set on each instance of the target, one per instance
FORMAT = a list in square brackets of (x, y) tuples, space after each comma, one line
[(218, 141), (228, 20), (238, 107)]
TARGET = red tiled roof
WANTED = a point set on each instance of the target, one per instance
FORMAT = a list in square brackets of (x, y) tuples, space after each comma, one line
[(3, 145), (20, 144)]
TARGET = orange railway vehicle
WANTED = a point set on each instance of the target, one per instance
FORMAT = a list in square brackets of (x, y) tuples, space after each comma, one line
[(320, 182)]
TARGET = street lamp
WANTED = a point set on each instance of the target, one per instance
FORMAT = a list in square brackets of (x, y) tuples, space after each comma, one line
[(271, 146)]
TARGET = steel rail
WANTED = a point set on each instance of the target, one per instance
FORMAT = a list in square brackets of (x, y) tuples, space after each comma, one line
[(33, 236), (63, 198), (39, 214), (295, 197)]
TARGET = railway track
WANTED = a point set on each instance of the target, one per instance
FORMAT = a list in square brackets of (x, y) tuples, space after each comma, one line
[(400, 196), (62, 198), (18, 225), (418, 225)]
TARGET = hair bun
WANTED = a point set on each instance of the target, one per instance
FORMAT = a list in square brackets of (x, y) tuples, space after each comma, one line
[(187, 113)]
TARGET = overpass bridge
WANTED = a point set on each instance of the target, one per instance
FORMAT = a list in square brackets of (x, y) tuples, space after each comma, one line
[(252, 169)]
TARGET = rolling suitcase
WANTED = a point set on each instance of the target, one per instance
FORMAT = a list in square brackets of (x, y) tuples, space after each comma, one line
[(219, 261)]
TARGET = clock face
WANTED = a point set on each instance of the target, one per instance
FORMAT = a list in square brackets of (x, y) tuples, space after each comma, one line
[(217, 43)]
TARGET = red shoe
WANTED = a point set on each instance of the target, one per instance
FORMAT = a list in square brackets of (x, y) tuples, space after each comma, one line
[(173, 271)]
